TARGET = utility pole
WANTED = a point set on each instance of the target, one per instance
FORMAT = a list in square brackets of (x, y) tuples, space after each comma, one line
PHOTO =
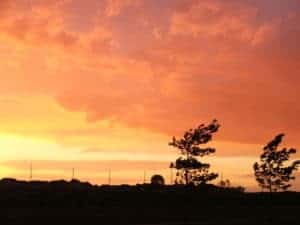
[(73, 173), (30, 171), (144, 176), (109, 177)]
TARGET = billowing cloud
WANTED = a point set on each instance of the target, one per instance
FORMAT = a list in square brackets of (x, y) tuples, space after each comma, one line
[(159, 66)]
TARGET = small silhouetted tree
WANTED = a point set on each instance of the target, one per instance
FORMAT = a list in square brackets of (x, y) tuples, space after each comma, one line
[(157, 180), (224, 183), (189, 169), (271, 172)]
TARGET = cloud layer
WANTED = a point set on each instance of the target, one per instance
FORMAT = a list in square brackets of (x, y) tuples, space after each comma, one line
[(160, 66)]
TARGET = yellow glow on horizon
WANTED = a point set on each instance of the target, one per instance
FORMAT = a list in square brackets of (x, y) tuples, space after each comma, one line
[(42, 118), (15, 147)]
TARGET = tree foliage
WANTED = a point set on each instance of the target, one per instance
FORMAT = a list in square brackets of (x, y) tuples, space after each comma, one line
[(189, 169), (272, 173)]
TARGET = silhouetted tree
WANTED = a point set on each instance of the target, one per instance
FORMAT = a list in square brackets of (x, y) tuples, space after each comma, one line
[(189, 169), (157, 180), (271, 173)]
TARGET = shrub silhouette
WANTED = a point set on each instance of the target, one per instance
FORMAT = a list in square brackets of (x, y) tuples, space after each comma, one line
[(224, 183), (189, 169), (271, 173), (157, 180)]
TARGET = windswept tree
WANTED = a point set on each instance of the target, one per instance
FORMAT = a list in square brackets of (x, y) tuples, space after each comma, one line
[(271, 172), (189, 169)]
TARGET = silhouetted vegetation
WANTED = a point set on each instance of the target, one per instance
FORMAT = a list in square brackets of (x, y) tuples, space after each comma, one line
[(224, 183), (189, 169), (271, 173), (62, 202), (157, 180)]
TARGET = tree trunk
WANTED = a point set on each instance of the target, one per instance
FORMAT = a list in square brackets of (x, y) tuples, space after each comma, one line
[(270, 185), (186, 176), (186, 171)]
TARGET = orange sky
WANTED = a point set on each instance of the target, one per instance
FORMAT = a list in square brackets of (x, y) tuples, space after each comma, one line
[(106, 83)]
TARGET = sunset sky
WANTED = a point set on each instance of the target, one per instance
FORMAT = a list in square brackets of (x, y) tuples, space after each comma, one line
[(105, 84)]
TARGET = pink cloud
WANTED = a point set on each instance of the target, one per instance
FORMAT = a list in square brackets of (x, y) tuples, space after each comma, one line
[(207, 59)]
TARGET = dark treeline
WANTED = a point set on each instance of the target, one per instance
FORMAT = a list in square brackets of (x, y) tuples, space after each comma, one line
[(61, 202)]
